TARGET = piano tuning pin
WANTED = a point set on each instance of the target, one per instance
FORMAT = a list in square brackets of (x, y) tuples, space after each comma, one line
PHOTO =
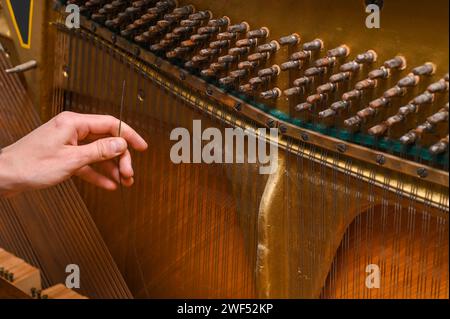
[(239, 51), (339, 52), (315, 98), (208, 52), (366, 84), (271, 47), (208, 30), (424, 98), (409, 81), (257, 81), (226, 81), (246, 43), (352, 95), (201, 15), (326, 88), (196, 38), (190, 23), (381, 73), (188, 44), (182, 30), (438, 117), (209, 73), (302, 107), (399, 62), (199, 59), (314, 71), (248, 65), (291, 65), (440, 147), (426, 69), (242, 27), (378, 103), (409, 138), (256, 57), (353, 121), (381, 129), (315, 45), (396, 91), (271, 94), (296, 90), (238, 74), (438, 87), (246, 88), (407, 109), (221, 44), (185, 10), (326, 62), (221, 22), (227, 36), (366, 58), (327, 113), (339, 77), (303, 81), (217, 66), (227, 59), (292, 39), (340, 105), (269, 72), (261, 33), (352, 66), (301, 55)]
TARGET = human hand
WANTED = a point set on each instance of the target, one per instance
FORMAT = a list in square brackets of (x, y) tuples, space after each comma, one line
[(67, 145)]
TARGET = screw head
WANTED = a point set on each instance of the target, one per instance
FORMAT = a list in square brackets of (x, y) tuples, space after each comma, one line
[(238, 106), (209, 91), (381, 160), (270, 122), (304, 136), (93, 27), (113, 38), (182, 76), (342, 148), (283, 129), (422, 172), (136, 51)]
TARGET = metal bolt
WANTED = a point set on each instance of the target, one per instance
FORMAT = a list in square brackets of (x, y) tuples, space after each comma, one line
[(381, 160), (422, 172), (270, 123), (304, 136), (341, 148)]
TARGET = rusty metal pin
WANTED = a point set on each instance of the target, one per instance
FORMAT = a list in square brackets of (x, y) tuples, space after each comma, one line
[(292, 39)]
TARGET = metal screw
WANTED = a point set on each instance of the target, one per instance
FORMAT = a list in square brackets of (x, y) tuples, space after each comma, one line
[(238, 106), (182, 76), (422, 172), (270, 123), (283, 129), (341, 148), (136, 51), (93, 27), (381, 160), (209, 91), (304, 136), (113, 38)]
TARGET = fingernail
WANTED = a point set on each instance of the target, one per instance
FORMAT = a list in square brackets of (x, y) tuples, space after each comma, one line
[(118, 145)]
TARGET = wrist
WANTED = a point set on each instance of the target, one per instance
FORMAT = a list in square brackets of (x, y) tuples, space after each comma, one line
[(9, 183)]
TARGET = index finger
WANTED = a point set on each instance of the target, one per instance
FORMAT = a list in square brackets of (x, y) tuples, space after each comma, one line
[(91, 124)]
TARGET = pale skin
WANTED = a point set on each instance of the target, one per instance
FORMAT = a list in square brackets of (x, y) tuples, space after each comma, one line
[(67, 146)]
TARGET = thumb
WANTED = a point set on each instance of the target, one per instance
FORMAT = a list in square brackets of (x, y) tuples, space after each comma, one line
[(100, 150)]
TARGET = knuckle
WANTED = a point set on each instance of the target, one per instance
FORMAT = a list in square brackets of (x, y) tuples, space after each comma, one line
[(63, 118), (102, 149)]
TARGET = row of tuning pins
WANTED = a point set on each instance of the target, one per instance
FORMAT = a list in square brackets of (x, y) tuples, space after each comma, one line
[(403, 86)]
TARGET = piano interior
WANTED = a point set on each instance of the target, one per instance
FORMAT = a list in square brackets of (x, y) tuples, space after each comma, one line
[(357, 206)]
